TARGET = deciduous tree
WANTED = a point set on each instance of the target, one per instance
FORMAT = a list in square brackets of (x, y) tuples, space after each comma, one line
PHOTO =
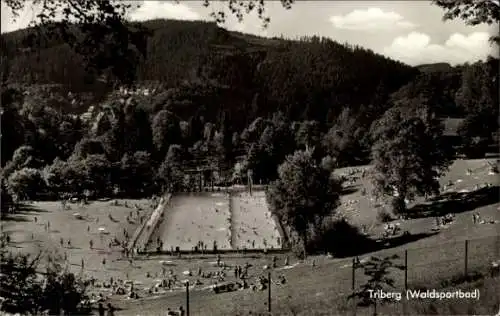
[(19, 285), (87, 147), (97, 174), (26, 183), (166, 131), (6, 199), (136, 172), (304, 194), (171, 171), (473, 12), (343, 139), (408, 156)]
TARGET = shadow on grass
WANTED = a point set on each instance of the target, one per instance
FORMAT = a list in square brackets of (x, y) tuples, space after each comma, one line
[(342, 239), (15, 218), (15, 245), (456, 202), (14, 231), (21, 212), (370, 245), (19, 242), (24, 208), (403, 239), (72, 248), (350, 190)]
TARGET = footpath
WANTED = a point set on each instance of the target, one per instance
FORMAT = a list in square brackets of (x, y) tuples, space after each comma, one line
[(143, 233)]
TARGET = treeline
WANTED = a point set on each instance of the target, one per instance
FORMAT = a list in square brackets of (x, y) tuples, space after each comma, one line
[(206, 97), (309, 79)]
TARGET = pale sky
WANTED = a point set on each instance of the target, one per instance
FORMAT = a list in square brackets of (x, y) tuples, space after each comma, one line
[(410, 31)]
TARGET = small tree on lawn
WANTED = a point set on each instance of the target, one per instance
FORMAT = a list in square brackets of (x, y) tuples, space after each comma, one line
[(26, 183), (379, 280), (304, 194), (408, 156)]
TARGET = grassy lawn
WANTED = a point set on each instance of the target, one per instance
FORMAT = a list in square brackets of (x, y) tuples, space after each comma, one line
[(29, 236), (319, 290)]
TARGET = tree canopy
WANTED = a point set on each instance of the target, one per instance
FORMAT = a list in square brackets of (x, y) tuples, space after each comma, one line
[(304, 194), (409, 156), (473, 12)]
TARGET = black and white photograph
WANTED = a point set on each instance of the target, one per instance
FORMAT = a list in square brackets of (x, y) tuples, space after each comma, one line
[(253, 157)]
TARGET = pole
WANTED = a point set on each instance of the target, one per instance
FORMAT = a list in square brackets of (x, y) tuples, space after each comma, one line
[(212, 179), (406, 280), (406, 269), (201, 181), (187, 298), (466, 257), (353, 285), (269, 293)]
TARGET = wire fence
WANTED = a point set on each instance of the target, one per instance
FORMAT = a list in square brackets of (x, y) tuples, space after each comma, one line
[(435, 265), (424, 267)]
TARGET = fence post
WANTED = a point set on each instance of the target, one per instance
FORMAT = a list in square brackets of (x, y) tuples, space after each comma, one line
[(187, 298), (269, 293), (466, 259), (353, 285), (406, 269)]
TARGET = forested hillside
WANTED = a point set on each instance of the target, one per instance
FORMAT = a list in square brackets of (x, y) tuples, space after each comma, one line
[(214, 97), (315, 73)]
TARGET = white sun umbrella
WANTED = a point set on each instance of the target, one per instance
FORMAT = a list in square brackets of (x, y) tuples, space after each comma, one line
[(166, 262), (78, 215)]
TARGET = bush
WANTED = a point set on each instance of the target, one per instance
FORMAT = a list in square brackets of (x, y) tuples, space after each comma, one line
[(297, 248), (475, 147), (384, 216), (398, 205), (24, 292), (494, 169), (340, 238)]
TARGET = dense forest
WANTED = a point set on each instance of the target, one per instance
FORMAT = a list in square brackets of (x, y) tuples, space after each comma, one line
[(207, 97)]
